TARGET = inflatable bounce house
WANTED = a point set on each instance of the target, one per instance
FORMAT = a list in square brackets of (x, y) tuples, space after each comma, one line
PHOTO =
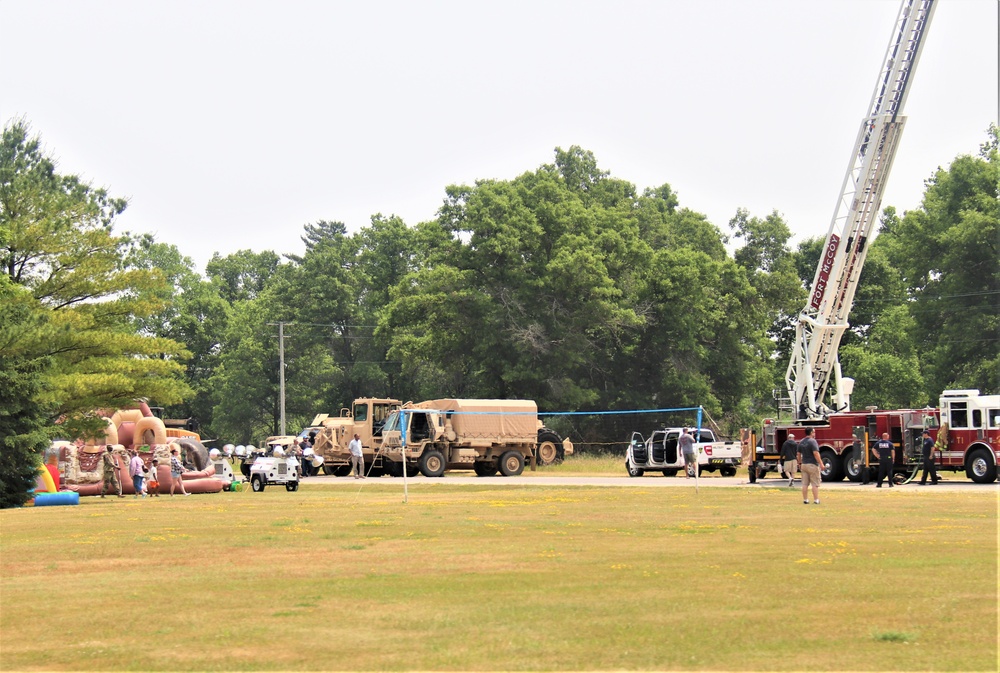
[(79, 462)]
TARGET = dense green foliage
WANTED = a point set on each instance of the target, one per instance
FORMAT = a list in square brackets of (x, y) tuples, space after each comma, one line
[(70, 335), (564, 285)]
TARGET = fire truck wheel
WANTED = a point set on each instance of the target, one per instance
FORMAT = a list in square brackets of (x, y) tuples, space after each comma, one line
[(292, 486), (257, 483), (831, 466), (632, 470), (979, 468), (550, 450), (432, 463), (853, 468), (511, 463)]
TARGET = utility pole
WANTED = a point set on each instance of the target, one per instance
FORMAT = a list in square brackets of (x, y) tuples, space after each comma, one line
[(281, 374)]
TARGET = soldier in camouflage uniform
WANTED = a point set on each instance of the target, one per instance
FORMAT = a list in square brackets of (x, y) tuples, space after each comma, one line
[(110, 473)]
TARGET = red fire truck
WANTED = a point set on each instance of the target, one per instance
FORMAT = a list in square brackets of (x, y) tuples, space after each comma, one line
[(969, 421)]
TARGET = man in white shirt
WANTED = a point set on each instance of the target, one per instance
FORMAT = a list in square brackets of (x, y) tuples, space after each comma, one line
[(357, 458)]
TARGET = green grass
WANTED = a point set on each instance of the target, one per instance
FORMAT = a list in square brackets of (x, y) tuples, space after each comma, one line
[(503, 578), (589, 464)]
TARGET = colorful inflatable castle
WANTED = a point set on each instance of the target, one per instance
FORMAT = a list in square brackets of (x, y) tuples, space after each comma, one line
[(80, 466)]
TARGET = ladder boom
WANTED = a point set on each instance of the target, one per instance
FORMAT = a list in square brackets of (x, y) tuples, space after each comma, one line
[(822, 323)]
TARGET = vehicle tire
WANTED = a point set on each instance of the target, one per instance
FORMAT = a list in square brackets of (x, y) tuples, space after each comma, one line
[(853, 467), (432, 463), (485, 468), (979, 468), (330, 470), (292, 486), (257, 483), (728, 471), (761, 471), (511, 463), (394, 469), (831, 468), (632, 470), (671, 472), (549, 450)]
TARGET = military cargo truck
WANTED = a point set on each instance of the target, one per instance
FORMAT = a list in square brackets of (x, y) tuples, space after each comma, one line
[(486, 436), (333, 433)]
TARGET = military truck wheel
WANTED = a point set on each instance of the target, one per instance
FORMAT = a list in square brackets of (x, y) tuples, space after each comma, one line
[(394, 469), (292, 486), (257, 483), (550, 450), (330, 470), (485, 468), (511, 464), (432, 463), (632, 470)]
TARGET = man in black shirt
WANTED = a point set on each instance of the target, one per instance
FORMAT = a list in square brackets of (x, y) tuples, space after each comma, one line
[(810, 465), (788, 460), (929, 467), (884, 452)]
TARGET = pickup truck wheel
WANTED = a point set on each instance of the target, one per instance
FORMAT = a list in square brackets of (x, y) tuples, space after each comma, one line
[(727, 471), (292, 486), (485, 468), (257, 483), (632, 470), (511, 464), (432, 463), (670, 472), (550, 450), (979, 468)]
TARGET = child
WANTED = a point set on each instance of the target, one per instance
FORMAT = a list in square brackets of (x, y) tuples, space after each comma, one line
[(152, 485)]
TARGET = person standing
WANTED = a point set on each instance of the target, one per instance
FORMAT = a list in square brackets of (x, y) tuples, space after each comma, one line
[(135, 469), (357, 458), (789, 457), (884, 452), (929, 467), (176, 470), (809, 462), (153, 484), (111, 470), (686, 442)]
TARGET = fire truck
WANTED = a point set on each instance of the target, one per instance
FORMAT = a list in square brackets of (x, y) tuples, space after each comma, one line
[(966, 427), (966, 422)]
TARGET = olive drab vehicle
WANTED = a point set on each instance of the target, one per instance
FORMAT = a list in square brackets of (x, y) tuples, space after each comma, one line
[(333, 433), (487, 436)]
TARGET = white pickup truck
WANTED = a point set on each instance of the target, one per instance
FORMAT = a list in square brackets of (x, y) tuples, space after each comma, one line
[(661, 453)]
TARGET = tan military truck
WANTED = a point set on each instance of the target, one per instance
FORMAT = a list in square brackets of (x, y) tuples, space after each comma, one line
[(333, 433), (486, 436)]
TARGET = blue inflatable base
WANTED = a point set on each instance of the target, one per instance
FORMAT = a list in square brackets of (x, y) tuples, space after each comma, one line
[(61, 498)]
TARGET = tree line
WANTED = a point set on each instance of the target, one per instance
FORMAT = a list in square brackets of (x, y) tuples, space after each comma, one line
[(564, 285)]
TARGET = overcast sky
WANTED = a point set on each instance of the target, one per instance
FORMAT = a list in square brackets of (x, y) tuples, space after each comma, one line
[(230, 124)]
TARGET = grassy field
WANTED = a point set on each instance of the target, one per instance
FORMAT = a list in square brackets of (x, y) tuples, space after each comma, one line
[(494, 578)]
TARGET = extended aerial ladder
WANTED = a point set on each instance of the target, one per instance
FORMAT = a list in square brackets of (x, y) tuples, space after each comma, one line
[(822, 323)]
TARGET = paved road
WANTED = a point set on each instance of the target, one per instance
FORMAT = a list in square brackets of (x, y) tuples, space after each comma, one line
[(954, 483)]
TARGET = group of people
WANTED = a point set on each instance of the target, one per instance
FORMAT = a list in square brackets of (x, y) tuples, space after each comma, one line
[(144, 479), (804, 457), (302, 450)]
